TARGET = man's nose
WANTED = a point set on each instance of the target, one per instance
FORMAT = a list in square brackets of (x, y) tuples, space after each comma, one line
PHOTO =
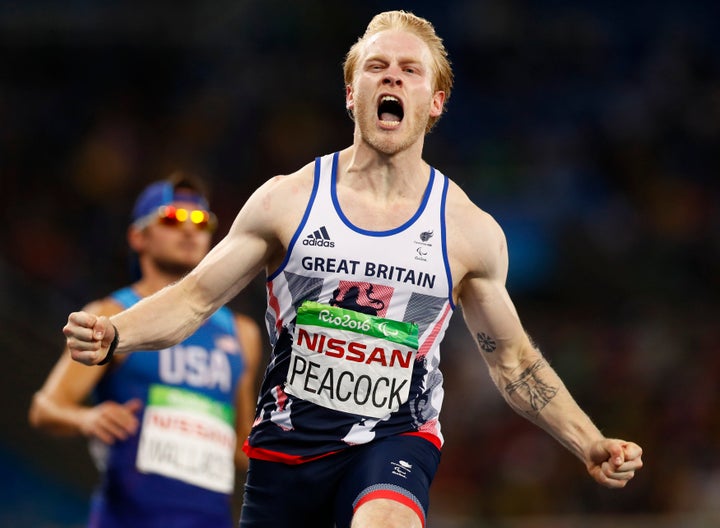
[(392, 79)]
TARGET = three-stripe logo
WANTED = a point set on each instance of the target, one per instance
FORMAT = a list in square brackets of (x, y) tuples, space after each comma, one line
[(319, 237)]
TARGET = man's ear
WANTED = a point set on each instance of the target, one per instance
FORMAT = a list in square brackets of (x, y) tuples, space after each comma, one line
[(438, 102), (349, 101), (136, 239)]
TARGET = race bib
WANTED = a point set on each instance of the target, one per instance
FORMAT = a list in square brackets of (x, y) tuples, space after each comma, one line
[(351, 362), (188, 437)]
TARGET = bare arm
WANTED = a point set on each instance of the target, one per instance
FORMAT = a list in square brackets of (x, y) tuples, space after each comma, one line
[(175, 312), (246, 396), (521, 373), (59, 406), (525, 379)]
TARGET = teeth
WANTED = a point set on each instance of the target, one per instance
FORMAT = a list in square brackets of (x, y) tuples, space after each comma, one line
[(388, 117)]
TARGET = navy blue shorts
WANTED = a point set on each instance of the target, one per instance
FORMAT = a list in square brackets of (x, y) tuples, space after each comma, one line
[(324, 493)]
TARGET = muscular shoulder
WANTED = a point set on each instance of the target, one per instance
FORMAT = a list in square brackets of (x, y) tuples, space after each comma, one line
[(280, 201), (476, 242), (296, 184)]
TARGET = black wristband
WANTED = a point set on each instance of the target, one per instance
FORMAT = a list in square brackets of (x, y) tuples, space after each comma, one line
[(112, 348)]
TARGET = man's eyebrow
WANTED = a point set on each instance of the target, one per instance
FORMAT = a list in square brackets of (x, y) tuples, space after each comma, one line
[(409, 59)]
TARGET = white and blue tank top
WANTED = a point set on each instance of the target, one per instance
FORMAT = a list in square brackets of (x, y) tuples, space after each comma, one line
[(356, 318)]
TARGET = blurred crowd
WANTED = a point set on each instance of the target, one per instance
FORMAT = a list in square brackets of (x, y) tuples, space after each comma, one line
[(589, 129)]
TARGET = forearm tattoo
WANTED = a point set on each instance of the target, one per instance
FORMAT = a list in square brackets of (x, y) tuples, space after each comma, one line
[(487, 343), (529, 392)]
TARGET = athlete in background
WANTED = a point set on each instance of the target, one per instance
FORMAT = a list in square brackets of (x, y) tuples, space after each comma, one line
[(166, 428), (367, 252)]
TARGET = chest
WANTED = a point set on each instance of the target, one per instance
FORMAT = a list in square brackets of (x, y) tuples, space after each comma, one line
[(370, 213)]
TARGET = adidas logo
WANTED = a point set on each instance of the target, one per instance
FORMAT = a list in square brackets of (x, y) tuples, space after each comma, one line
[(319, 238)]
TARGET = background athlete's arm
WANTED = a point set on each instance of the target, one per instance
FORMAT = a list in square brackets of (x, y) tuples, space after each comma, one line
[(246, 396), (60, 406), (175, 312), (521, 373)]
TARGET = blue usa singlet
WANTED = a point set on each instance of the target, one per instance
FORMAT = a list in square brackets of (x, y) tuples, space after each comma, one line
[(178, 470), (356, 318)]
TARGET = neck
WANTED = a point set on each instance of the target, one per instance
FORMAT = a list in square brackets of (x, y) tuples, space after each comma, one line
[(385, 175)]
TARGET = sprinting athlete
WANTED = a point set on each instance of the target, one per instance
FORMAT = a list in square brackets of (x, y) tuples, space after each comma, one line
[(165, 427), (367, 253)]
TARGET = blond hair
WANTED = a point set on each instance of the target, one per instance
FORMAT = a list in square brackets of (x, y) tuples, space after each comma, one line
[(422, 28)]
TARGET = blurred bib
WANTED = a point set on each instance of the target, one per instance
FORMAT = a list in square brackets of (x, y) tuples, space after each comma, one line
[(189, 437)]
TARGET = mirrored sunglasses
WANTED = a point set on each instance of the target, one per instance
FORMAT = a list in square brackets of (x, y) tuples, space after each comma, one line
[(172, 216)]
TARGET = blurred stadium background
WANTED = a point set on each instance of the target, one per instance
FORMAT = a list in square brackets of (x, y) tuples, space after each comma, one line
[(590, 129)]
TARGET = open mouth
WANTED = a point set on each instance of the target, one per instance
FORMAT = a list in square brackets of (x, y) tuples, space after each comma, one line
[(390, 110)]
